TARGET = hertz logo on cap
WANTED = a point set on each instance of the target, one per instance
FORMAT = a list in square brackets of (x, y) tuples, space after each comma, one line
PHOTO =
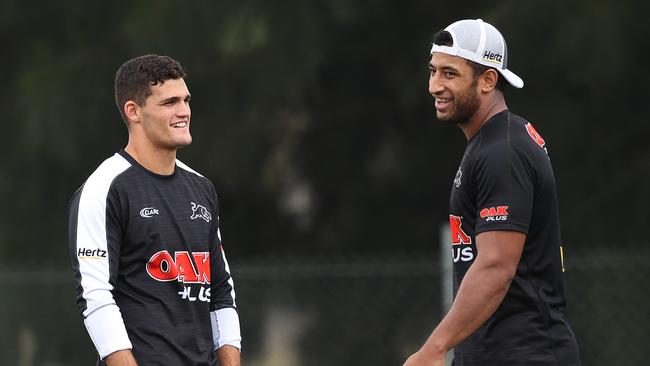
[(493, 57)]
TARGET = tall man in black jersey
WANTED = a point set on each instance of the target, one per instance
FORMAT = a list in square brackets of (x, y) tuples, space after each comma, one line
[(151, 277), (505, 231)]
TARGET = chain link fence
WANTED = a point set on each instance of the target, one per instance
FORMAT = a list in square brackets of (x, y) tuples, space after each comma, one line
[(367, 311)]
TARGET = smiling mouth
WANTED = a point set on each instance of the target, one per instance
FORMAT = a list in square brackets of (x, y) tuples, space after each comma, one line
[(180, 124), (442, 103)]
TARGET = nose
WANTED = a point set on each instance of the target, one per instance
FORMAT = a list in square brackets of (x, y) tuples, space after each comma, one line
[(184, 110), (435, 86)]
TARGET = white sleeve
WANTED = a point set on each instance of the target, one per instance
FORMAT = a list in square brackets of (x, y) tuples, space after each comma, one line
[(92, 257), (107, 331), (225, 328)]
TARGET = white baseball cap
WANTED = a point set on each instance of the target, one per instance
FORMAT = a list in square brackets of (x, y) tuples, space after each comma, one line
[(480, 42)]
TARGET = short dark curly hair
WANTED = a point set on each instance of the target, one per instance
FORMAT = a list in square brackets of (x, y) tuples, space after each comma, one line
[(134, 79)]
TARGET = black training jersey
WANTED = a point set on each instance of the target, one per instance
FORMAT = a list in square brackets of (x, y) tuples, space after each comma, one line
[(505, 182), (149, 269)]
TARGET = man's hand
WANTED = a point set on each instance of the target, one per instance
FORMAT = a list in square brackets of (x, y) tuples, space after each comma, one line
[(420, 359), (228, 356), (121, 358), (479, 295)]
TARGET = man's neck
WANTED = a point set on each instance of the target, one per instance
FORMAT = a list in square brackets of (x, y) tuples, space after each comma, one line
[(486, 111), (159, 161)]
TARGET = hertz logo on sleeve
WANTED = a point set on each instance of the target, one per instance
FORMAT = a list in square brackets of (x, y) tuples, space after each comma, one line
[(83, 253)]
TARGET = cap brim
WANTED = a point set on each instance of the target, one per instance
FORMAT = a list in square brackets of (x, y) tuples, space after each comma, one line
[(512, 78)]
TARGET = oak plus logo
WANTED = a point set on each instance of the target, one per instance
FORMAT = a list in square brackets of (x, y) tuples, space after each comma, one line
[(461, 249), (148, 212), (498, 213), (200, 212), (185, 267)]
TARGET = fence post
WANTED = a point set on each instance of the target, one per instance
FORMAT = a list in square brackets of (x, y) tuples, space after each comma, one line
[(446, 287)]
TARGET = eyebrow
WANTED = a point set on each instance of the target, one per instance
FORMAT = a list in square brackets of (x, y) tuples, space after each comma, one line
[(443, 68), (175, 99)]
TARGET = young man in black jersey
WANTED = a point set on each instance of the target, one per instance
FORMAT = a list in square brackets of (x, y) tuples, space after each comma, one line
[(505, 233), (151, 277)]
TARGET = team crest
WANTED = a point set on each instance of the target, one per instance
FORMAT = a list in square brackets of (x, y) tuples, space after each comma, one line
[(459, 174), (200, 212)]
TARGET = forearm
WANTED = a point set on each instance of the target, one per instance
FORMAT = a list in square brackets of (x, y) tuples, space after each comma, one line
[(480, 294), (121, 358), (107, 330), (228, 356)]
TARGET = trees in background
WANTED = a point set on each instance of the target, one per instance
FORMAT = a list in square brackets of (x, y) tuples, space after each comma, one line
[(313, 118)]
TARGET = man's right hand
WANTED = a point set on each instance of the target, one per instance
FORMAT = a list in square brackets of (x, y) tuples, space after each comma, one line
[(420, 359), (121, 358)]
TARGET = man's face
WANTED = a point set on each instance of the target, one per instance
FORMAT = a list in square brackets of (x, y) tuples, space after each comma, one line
[(453, 85), (166, 115)]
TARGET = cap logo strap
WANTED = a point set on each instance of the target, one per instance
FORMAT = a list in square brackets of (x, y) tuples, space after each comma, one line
[(454, 41)]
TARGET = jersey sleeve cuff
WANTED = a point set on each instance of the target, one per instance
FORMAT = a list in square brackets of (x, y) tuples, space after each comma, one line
[(225, 328), (502, 227), (107, 331)]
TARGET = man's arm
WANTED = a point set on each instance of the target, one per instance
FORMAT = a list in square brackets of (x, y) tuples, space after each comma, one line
[(224, 318), (483, 288), (228, 356), (95, 236), (121, 358)]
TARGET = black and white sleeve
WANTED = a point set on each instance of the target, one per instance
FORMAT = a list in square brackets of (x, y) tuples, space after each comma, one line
[(94, 235), (223, 308)]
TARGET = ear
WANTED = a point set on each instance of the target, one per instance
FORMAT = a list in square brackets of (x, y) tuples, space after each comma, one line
[(132, 111), (488, 80)]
